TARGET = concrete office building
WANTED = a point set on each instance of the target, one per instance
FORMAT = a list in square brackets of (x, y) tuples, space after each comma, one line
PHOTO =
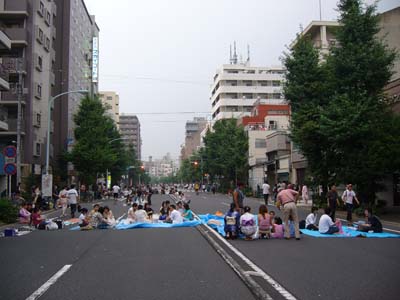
[(111, 101), (238, 86), (30, 26), (193, 131), (77, 68), (129, 127)]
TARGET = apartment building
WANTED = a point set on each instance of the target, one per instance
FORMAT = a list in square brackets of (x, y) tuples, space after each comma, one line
[(111, 101), (238, 86), (265, 119), (164, 167), (193, 131), (76, 68), (30, 27), (129, 127)]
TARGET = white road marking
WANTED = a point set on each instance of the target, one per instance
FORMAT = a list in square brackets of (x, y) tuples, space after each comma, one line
[(226, 204), (280, 289), (40, 291)]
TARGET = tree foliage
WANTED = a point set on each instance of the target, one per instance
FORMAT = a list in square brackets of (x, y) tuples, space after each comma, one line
[(341, 120), (97, 142)]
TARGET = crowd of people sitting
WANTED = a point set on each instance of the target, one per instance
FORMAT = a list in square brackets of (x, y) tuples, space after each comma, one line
[(267, 225)]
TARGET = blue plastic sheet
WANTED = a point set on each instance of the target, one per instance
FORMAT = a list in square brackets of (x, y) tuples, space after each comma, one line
[(350, 232), (220, 228), (122, 226)]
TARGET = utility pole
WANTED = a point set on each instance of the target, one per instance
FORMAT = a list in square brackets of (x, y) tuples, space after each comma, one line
[(19, 117)]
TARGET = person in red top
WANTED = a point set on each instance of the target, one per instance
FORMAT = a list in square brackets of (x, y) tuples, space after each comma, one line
[(37, 218), (288, 198)]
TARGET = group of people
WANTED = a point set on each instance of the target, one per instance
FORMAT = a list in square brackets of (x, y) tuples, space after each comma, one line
[(98, 218), (266, 223), (169, 213)]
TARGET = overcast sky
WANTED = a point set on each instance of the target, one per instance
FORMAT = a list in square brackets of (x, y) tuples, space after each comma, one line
[(161, 55)]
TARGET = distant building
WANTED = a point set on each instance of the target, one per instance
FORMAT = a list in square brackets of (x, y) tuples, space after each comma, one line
[(193, 131), (237, 86), (76, 63), (265, 119), (129, 127), (111, 100), (164, 167)]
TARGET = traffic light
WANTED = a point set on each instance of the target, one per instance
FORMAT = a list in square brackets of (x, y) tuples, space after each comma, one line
[(142, 167)]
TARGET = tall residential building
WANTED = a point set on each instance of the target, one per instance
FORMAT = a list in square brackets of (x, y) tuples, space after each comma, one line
[(238, 86), (30, 26), (76, 68), (129, 127), (193, 131), (111, 100)]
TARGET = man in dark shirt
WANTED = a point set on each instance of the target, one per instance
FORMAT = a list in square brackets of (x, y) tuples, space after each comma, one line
[(373, 222), (333, 201)]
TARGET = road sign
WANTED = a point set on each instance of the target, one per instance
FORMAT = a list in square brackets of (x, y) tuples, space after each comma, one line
[(10, 151), (10, 169), (9, 160)]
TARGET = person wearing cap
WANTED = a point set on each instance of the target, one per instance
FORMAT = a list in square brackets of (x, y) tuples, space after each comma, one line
[(288, 198)]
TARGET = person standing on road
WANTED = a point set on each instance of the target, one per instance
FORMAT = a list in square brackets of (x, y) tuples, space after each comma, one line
[(116, 190), (266, 191), (73, 197), (238, 198), (348, 198), (63, 200), (288, 198), (304, 194), (333, 201)]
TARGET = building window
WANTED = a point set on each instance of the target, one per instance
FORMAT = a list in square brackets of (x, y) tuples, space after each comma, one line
[(39, 63), (41, 8), (47, 44), (38, 120), (48, 18), (38, 91), (276, 83), (261, 143), (37, 149), (109, 98)]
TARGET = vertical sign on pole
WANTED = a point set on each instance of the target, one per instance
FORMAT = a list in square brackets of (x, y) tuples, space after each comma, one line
[(95, 59)]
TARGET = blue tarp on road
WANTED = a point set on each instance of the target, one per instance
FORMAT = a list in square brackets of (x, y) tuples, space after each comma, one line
[(219, 227), (122, 226), (350, 232)]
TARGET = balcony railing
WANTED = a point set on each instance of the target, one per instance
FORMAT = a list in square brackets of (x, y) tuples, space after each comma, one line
[(14, 7)]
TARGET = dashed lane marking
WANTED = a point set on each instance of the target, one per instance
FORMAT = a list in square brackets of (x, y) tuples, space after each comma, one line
[(40, 291)]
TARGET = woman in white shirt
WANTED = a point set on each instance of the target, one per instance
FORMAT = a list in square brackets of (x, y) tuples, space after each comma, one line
[(141, 215), (326, 225), (248, 224)]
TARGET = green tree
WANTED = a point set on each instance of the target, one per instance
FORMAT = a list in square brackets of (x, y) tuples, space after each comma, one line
[(357, 121), (307, 90), (225, 152), (92, 152)]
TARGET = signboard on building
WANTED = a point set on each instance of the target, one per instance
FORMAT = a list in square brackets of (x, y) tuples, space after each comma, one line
[(95, 59), (47, 185)]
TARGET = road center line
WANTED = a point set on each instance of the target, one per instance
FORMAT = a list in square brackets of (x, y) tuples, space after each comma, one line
[(226, 204), (40, 291)]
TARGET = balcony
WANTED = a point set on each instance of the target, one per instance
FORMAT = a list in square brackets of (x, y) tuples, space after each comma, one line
[(10, 99), (12, 128), (10, 65), (5, 41), (278, 141), (13, 9), (18, 36)]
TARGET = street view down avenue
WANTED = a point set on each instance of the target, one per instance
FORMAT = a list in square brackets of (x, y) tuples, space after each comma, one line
[(189, 149)]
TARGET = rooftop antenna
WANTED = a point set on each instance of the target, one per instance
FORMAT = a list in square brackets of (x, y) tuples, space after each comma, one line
[(320, 11), (230, 54), (248, 54), (235, 57)]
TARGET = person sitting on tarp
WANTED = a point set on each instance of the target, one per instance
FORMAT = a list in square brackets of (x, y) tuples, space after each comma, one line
[(248, 224), (187, 213), (24, 214), (231, 218), (141, 215), (97, 220), (174, 216), (311, 219), (326, 225), (164, 210), (373, 223)]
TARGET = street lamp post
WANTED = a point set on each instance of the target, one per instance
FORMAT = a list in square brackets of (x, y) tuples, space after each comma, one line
[(50, 103)]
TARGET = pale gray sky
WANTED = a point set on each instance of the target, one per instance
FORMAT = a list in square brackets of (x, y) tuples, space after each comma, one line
[(171, 41)]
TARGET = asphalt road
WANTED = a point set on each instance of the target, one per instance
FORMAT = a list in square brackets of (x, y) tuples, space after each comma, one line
[(319, 268), (180, 264), (111, 264)]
